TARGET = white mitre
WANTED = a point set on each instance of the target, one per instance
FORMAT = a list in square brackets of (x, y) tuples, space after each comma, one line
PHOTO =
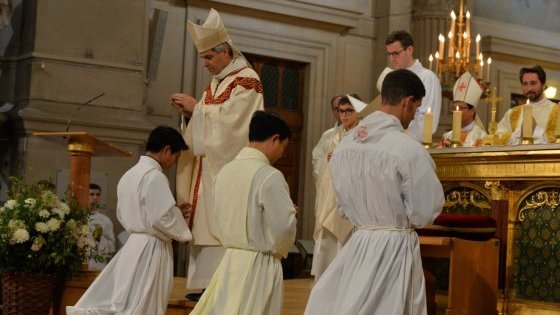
[(210, 34), (467, 90), (382, 77)]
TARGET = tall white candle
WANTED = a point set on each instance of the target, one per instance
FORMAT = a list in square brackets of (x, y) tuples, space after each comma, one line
[(488, 62)]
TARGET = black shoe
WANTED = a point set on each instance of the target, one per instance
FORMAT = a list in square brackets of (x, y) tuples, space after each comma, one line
[(194, 296)]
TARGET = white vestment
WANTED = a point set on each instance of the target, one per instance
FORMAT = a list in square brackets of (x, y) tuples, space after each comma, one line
[(217, 131), (138, 280), (106, 244), (323, 147), (257, 226), (432, 100), (386, 185), (545, 113), (331, 229), (474, 135)]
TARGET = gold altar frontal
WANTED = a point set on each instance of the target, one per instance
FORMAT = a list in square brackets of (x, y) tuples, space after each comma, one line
[(519, 186)]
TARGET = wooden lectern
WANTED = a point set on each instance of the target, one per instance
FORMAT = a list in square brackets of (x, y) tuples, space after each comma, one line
[(81, 146)]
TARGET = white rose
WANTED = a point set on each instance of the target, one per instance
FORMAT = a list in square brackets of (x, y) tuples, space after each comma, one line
[(42, 227), (44, 213), (10, 204), (20, 236), (54, 224), (30, 202)]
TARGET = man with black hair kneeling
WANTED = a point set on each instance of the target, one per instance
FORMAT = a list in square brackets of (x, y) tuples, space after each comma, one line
[(257, 225), (138, 280)]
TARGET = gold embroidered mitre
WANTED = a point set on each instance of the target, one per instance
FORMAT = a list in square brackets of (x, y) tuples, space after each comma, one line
[(210, 34)]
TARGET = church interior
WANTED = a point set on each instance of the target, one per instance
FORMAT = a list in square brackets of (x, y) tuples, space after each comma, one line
[(108, 69)]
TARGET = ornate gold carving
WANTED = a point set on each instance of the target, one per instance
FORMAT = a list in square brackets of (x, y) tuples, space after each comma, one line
[(497, 190), (541, 198), (465, 199)]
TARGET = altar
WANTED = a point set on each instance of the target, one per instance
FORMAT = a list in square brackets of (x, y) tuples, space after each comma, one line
[(519, 186)]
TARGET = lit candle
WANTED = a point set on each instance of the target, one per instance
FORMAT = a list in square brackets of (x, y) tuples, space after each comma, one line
[(437, 63), (456, 126), (431, 59), (441, 45), (466, 46), (478, 45), (481, 67), (488, 62), (451, 43), (468, 23), (453, 18), (457, 63), (527, 131), (428, 123)]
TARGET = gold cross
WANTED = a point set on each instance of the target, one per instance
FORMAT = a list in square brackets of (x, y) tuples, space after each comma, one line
[(494, 99)]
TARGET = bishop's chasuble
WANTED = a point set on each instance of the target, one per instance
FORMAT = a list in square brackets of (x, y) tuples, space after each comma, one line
[(217, 131), (257, 225), (331, 229), (545, 113), (385, 183), (138, 280)]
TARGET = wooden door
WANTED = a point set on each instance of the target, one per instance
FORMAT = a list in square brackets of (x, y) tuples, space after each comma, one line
[(283, 84)]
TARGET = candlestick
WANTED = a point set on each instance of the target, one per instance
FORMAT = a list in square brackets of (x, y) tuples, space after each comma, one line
[(437, 63), (468, 23), (457, 63), (453, 18), (477, 45), (481, 68), (488, 62), (450, 50), (456, 127), (428, 123), (441, 45), (431, 59), (527, 131)]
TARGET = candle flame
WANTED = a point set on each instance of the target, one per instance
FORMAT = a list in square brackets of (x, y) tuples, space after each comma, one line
[(481, 63), (441, 38), (429, 110), (437, 54), (431, 58), (468, 15), (453, 16), (527, 101), (480, 56), (457, 55), (450, 35), (465, 35), (478, 38), (489, 61), (457, 108)]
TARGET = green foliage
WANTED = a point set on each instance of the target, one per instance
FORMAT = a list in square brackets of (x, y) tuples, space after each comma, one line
[(40, 233)]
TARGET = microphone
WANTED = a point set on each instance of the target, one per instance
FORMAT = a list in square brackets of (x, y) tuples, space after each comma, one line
[(80, 107)]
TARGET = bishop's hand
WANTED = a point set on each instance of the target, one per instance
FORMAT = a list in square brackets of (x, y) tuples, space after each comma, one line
[(183, 103), (186, 209)]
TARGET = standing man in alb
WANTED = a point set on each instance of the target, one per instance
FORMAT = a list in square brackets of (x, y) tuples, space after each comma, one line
[(102, 231), (386, 184), (217, 131), (324, 145), (466, 95), (400, 48), (331, 229), (257, 224), (545, 112)]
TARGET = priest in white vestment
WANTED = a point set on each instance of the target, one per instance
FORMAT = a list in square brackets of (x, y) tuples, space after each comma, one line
[(466, 95), (322, 148), (386, 185), (216, 132), (138, 280), (331, 229), (257, 224), (400, 49), (545, 112)]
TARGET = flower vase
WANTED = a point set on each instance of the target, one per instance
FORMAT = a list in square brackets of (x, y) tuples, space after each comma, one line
[(28, 293)]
